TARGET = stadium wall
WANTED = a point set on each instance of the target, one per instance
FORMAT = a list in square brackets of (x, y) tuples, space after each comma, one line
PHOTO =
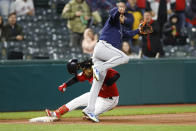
[(32, 85)]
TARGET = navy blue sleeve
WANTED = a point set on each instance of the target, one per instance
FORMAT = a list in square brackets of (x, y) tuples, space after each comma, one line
[(130, 33), (114, 14), (128, 21)]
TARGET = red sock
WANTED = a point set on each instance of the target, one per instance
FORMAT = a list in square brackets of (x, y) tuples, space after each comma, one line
[(62, 110)]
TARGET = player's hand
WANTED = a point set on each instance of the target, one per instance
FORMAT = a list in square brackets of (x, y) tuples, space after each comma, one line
[(122, 19), (62, 88), (121, 10)]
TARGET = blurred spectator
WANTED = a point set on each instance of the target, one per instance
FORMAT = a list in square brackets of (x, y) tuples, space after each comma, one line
[(143, 5), (96, 18), (137, 16), (151, 44), (127, 50), (171, 31), (155, 4), (95, 21), (13, 31), (162, 14), (102, 6), (1, 27), (23, 7), (89, 41), (78, 13), (5, 7), (191, 13), (178, 7)]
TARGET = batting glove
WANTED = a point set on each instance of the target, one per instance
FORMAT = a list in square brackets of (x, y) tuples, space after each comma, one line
[(62, 88)]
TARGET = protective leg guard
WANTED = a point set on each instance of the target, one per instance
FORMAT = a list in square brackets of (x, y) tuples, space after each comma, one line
[(62, 110)]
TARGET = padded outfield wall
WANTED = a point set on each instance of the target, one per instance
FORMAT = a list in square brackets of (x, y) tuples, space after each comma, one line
[(32, 85)]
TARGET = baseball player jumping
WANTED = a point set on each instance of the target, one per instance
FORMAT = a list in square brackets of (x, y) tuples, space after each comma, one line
[(107, 55), (107, 98)]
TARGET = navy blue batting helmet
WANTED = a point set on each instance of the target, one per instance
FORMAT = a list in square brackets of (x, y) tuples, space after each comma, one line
[(72, 66)]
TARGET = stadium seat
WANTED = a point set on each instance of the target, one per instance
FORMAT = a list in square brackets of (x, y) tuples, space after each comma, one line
[(41, 3)]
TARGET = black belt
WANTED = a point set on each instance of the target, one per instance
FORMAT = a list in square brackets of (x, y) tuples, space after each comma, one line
[(110, 98)]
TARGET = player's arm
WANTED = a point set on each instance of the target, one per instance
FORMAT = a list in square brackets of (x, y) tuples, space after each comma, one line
[(73, 80), (128, 21), (62, 88), (131, 33), (114, 15), (112, 79)]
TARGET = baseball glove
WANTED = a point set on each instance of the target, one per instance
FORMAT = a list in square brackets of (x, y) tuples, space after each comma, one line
[(145, 28)]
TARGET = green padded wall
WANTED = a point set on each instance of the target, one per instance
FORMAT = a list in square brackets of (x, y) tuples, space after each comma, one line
[(32, 85)]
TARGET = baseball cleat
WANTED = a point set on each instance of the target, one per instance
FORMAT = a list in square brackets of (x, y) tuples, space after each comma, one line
[(91, 116), (96, 73), (52, 114)]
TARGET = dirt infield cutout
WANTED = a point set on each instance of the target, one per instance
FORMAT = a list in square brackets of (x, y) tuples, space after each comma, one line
[(154, 119), (158, 119)]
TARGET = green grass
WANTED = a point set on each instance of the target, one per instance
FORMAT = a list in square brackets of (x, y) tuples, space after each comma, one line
[(99, 126), (96, 127), (115, 112)]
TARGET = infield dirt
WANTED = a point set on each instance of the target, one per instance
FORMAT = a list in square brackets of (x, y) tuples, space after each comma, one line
[(155, 119)]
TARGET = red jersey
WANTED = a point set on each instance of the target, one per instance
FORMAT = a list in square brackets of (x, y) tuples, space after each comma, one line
[(105, 91)]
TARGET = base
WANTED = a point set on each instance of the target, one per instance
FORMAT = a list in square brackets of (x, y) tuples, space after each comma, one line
[(44, 119)]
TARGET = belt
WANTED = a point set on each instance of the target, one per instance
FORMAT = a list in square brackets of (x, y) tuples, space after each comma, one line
[(111, 98), (103, 41)]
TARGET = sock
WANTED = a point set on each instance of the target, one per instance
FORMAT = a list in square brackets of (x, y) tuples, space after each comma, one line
[(62, 110)]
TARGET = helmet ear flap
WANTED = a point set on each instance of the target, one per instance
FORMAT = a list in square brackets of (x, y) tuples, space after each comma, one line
[(72, 66)]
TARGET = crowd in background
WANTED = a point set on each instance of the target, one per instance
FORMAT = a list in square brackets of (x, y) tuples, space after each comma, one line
[(85, 18)]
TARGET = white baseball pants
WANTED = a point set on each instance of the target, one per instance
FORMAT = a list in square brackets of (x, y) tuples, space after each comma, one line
[(102, 104)]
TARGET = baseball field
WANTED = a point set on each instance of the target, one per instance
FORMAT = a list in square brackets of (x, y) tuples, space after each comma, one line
[(181, 117)]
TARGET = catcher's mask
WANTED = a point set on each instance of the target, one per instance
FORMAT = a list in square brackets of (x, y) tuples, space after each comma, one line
[(72, 66)]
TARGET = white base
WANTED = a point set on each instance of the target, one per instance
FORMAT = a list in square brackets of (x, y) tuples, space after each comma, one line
[(43, 119)]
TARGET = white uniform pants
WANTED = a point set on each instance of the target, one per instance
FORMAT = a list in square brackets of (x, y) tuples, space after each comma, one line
[(102, 104), (105, 56)]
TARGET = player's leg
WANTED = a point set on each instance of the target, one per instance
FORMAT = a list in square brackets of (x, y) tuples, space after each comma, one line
[(96, 86), (109, 55), (105, 104), (72, 105), (78, 102), (105, 56)]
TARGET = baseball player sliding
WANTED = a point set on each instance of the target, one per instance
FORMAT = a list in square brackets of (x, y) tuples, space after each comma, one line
[(108, 95), (107, 55)]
